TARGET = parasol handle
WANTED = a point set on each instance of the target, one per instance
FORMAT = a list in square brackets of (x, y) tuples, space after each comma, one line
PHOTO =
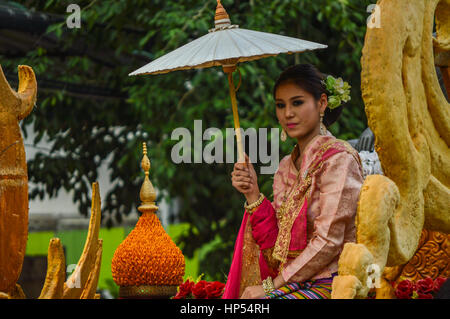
[(240, 79), (241, 158)]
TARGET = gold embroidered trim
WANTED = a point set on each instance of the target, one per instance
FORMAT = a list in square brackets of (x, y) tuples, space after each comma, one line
[(272, 263), (294, 253), (250, 274)]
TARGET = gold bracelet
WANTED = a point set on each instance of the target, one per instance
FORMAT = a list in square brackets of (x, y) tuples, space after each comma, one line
[(249, 208), (268, 285)]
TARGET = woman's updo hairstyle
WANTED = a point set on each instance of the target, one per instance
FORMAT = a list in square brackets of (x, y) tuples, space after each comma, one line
[(307, 77)]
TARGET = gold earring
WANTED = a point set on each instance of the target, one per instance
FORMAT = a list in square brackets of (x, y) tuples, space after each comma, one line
[(283, 135), (323, 129)]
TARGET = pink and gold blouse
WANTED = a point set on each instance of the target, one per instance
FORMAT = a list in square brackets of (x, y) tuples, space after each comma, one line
[(331, 211), (302, 240)]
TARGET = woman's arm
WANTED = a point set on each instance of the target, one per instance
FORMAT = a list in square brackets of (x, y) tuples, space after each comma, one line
[(340, 184), (263, 219), (264, 225)]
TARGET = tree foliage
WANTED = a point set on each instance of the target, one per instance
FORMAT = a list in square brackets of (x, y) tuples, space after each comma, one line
[(117, 37)]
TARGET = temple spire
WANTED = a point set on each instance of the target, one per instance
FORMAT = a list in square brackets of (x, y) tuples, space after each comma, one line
[(147, 193)]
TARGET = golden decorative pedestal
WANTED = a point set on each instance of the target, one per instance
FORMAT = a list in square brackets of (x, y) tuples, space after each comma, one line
[(148, 264), (147, 292)]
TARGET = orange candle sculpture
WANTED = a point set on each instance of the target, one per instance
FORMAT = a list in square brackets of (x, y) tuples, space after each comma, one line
[(148, 264)]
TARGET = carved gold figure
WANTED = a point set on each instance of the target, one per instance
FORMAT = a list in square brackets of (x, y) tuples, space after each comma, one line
[(15, 106), (409, 115)]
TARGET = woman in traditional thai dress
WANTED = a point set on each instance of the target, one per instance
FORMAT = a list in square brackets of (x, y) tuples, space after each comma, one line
[(289, 248)]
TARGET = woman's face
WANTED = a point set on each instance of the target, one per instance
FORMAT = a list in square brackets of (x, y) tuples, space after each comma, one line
[(298, 111)]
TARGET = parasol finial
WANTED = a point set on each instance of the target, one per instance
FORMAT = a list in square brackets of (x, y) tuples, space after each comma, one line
[(221, 18)]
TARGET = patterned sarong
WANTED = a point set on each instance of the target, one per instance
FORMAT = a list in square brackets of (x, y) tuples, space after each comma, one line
[(310, 289)]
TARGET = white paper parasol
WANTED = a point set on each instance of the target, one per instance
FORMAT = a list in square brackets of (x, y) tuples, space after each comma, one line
[(226, 45)]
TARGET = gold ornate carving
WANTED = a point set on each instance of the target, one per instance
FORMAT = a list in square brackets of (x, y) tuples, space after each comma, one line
[(14, 106), (90, 287), (432, 258), (415, 191), (56, 271), (89, 263)]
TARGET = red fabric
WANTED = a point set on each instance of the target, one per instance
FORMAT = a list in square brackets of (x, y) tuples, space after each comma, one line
[(234, 276), (264, 225)]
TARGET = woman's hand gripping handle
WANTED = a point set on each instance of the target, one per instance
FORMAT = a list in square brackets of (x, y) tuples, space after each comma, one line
[(245, 180)]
